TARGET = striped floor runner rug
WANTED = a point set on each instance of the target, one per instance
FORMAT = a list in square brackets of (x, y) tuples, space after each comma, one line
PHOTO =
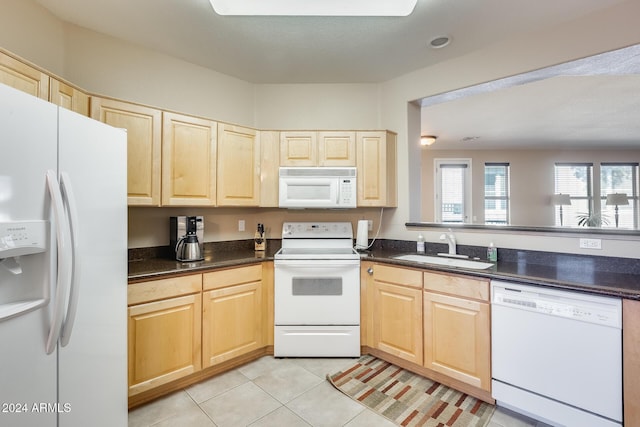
[(408, 399)]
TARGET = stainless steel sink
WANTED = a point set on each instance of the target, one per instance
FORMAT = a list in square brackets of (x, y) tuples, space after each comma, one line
[(450, 262)]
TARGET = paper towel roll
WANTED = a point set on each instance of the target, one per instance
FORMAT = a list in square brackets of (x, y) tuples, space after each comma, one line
[(362, 238)]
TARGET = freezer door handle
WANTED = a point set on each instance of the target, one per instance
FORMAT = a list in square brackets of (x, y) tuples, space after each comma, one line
[(63, 280), (74, 224)]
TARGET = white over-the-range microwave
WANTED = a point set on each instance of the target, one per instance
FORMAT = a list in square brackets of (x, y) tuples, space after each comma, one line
[(317, 187)]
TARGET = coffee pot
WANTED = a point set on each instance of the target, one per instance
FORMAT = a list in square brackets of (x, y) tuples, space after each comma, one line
[(186, 238), (188, 249)]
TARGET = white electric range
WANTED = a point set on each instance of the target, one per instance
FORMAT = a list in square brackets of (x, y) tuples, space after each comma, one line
[(317, 291)]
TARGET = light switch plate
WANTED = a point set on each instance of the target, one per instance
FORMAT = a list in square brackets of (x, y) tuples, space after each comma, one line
[(241, 225)]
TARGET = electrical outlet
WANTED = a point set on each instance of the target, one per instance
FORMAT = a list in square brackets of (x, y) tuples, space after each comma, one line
[(591, 243), (241, 225), (370, 225)]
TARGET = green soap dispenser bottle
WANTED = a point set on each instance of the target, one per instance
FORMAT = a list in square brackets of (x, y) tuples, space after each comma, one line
[(492, 253)]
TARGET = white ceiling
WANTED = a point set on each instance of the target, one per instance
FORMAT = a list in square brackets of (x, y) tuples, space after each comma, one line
[(316, 49), (592, 103), (286, 49)]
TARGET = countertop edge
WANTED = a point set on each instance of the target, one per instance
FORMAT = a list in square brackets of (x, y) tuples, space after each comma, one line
[(493, 274)]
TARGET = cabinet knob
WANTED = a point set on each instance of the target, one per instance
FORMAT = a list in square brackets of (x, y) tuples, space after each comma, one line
[(370, 271)]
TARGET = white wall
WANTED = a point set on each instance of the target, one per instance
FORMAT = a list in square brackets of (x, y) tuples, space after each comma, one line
[(30, 31), (318, 106), (108, 66), (531, 179), (150, 226), (595, 33)]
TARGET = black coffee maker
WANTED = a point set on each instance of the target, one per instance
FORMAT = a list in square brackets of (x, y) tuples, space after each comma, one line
[(186, 237)]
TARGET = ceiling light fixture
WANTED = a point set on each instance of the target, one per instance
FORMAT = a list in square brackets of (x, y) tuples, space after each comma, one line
[(314, 7), (427, 140), (439, 42)]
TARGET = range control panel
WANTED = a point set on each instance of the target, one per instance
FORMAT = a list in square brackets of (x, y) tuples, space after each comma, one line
[(317, 230), (22, 238)]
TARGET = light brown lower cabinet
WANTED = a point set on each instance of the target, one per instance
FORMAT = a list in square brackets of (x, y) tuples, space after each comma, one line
[(457, 328), (179, 326), (163, 331), (232, 314), (631, 361), (397, 312)]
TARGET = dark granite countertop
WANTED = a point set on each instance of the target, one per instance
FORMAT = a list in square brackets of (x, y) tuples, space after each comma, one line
[(566, 272), (145, 265), (619, 277)]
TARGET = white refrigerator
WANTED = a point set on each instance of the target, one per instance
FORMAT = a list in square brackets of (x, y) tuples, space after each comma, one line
[(63, 267)]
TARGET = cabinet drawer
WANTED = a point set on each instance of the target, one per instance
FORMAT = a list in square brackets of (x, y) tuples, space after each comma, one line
[(232, 276), (154, 290), (398, 275), (457, 285)]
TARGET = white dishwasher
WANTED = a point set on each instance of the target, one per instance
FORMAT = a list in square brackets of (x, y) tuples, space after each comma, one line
[(557, 355)]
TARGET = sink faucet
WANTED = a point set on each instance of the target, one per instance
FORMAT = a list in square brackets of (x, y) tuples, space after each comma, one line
[(451, 240)]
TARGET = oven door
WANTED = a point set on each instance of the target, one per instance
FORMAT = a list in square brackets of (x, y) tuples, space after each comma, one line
[(317, 292)]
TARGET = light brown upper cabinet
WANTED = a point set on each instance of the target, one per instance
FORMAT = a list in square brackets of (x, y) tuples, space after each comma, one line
[(298, 148), (336, 148), (143, 125), (376, 161), (238, 166), (23, 77), (68, 97), (311, 148), (188, 160), (269, 165)]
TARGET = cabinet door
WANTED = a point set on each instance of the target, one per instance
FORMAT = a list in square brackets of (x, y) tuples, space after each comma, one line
[(188, 161), (336, 148), (23, 77), (143, 125), (397, 321), (232, 322), (164, 341), (68, 97), (376, 163), (298, 148), (457, 338), (238, 166)]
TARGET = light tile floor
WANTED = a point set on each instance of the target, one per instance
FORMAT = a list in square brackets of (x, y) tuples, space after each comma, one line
[(278, 393)]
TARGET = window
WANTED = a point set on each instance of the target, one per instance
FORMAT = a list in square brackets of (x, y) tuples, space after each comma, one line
[(575, 180), (496, 193), (621, 178), (453, 190)]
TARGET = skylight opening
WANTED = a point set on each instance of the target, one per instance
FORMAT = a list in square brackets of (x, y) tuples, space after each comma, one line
[(313, 7)]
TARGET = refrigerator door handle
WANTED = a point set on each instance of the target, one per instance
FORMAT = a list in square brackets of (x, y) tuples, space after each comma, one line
[(69, 198), (63, 281)]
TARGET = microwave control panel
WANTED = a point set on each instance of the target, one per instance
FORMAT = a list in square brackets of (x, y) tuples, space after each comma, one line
[(347, 191)]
